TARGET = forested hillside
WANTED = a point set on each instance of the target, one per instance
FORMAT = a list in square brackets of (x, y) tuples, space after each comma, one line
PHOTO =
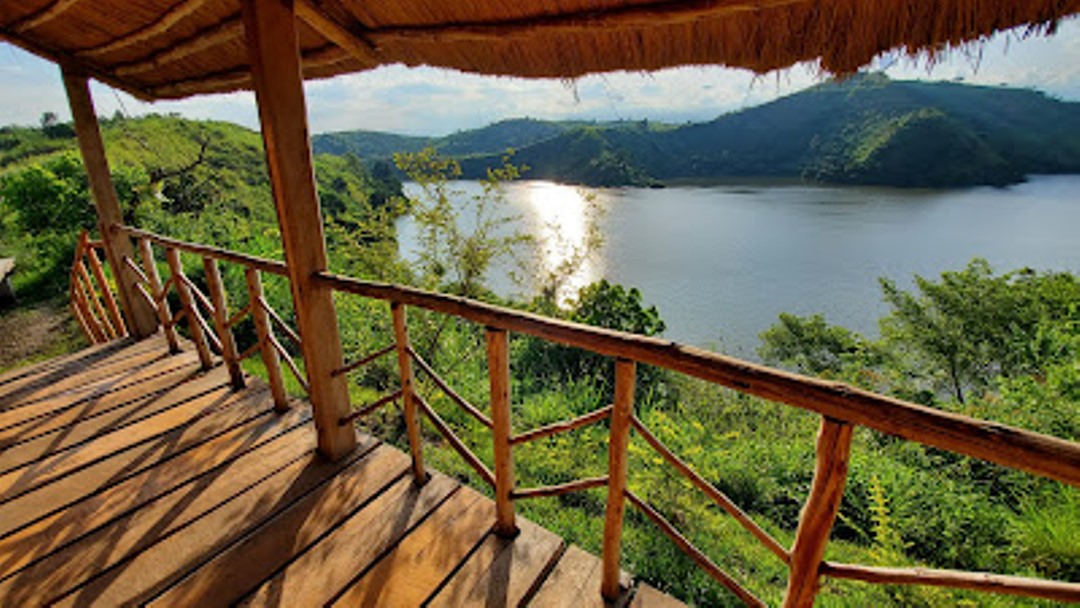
[(200, 180), (864, 130)]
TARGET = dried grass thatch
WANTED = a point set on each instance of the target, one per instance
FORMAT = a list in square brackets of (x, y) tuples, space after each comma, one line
[(175, 48)]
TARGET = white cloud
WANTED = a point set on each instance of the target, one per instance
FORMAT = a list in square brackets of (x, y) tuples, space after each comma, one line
[(434, 101)]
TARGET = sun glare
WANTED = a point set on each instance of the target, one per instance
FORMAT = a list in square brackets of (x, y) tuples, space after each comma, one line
[(561, 216)]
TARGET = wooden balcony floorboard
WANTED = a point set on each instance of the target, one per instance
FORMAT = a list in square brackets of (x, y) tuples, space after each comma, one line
[(128, 476)]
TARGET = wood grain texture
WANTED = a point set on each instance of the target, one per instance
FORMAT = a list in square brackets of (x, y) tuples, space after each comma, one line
[(621, 413), (263, 333), (417, 566), (99, 549), (172, 493), (191, 312), (243, 566), (408, 391), (54, 482), (575, 583), (1059, 591), (498, 355), (220, 302), (141, 318), (49, 411), (647, 596), (72, 372), (316, 576), (819, 512), (502, 572), (230, 503), (154, 569), (273, 51), (95, 417), (161, 307), (103, 287)]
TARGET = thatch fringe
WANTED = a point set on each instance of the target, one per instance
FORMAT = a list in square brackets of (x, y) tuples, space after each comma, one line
[(165, 47)]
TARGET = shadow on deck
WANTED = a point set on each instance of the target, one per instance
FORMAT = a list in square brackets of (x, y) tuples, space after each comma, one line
[(127, 476)]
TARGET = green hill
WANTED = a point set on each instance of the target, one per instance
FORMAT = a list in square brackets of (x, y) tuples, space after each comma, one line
[(203, 181), (864, 130), (493, 139)]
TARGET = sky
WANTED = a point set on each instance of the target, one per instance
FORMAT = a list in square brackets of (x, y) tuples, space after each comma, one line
[(429, 101)]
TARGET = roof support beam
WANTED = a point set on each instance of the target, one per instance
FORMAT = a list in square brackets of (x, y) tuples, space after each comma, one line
[(220, 33), (240, 78), (175, 15), (334, 32), (274, 51), (44, 16), (141, 318)]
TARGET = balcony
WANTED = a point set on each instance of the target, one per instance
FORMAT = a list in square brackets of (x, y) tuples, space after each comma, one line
[(157, 471)]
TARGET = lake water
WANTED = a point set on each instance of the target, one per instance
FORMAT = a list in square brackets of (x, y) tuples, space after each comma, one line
[(720, 262)]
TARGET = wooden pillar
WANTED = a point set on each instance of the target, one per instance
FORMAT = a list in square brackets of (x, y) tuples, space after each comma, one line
[(498, 349), (221, 322), (141, 318), (408, 394), (273, 50), (191, 310), (270, 357), (158, 293), (819, 513), (625, 373)]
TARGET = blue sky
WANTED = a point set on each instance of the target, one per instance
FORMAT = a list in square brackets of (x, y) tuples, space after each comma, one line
[(434, 102)]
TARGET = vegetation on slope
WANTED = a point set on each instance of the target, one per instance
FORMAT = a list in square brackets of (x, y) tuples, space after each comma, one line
[(864, 130)]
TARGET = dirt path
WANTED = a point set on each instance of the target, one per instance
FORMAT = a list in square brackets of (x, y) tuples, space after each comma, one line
[(34, 332)]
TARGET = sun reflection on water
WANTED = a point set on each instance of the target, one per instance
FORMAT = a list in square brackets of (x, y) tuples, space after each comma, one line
[(561, 218)]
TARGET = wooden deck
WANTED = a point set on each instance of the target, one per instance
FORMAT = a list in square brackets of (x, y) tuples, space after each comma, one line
[(129, 477)]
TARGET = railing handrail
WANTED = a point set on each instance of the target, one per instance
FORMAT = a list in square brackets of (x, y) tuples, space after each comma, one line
[(1009, 446), (217, 253), (841, 406), (1037, 453)]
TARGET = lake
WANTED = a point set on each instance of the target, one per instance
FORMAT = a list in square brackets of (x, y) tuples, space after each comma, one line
[(720, 262)]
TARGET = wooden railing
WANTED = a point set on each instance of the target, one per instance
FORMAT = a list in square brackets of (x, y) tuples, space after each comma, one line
[(216, 337), (91, 294), (841, 407)]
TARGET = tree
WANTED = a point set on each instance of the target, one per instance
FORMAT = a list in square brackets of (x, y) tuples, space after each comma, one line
[(455, 256), (53, 128), (972, 326), (50, 197), (810, 345), (601, 304)]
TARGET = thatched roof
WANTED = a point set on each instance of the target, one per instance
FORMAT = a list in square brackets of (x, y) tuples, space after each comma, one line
[(175, 48)]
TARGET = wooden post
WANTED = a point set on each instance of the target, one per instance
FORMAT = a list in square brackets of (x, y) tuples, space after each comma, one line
[(408, 396), (498, 351), (625, 372), (266, 347), (274, 54), (91, 294), (221, 322), (162, 307), (81, 315), (187, 301), (97, 333), (819, 513), (99, 275), (141, 320)]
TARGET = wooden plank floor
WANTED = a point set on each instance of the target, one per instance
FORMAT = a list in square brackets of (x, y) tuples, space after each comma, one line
[(128, 476)]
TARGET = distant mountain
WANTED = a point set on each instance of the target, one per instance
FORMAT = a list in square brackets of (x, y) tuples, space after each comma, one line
[(867, 129), (493, 139)]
